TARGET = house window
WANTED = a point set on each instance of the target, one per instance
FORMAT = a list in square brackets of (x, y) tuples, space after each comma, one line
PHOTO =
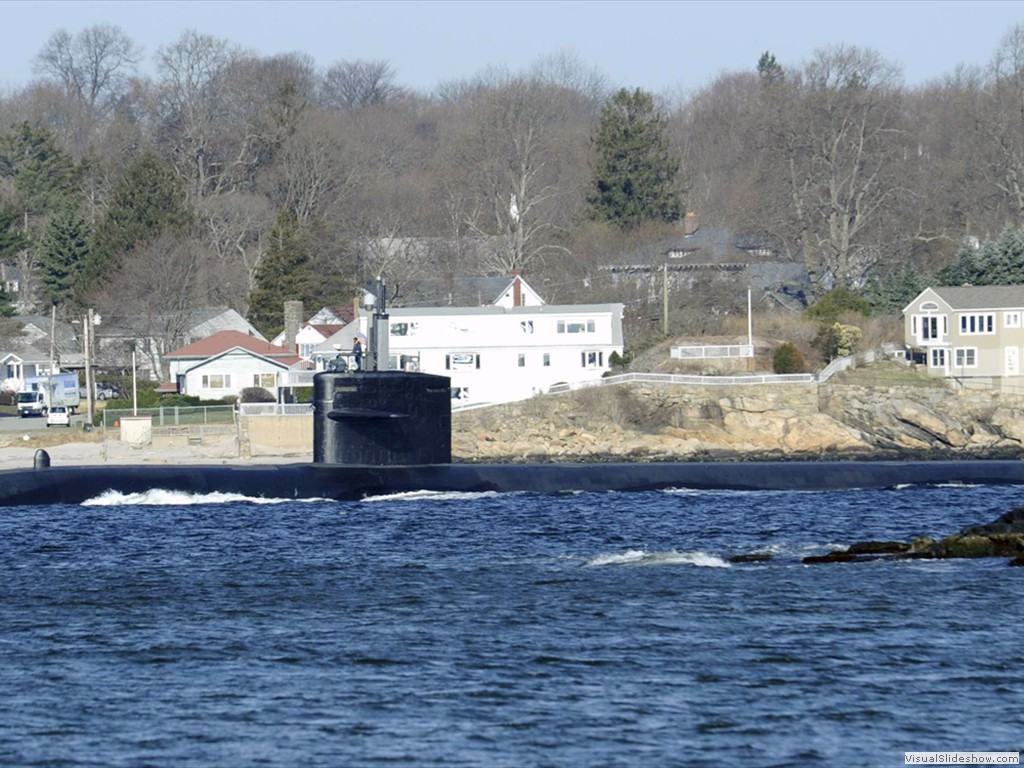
[(929, 306), (966, 357), (526, 326), (267, 380), (981, 323), (1011, 319), (580, 326), (461, 361), (403, 329), (306, 351), (522, 360), (929, 328), (547, 360), (938, 357), (592, 359), (216, 381)]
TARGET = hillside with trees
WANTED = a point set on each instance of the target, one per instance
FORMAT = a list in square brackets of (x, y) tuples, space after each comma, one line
[(227, 178)]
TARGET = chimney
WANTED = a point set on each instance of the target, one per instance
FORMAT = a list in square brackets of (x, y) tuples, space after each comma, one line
[(517, 289), (690, 223), (292, 322)]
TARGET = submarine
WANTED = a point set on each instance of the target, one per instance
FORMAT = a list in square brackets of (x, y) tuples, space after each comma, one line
[(387, 432)]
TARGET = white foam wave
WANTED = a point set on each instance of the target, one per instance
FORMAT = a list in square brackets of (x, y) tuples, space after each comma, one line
[(731, 491), (161, 497), (641, 557), (433, 496)]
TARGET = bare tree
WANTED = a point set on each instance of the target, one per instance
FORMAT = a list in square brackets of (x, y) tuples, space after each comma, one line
[(191, 101), (153, 296), (565, 69), (236, 227), (508, 149), (1003, 119), (836, 136), (94, 67), (354, 84), (314, 171)]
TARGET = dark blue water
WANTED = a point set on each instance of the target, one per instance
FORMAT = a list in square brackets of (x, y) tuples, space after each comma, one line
[(504, 630)]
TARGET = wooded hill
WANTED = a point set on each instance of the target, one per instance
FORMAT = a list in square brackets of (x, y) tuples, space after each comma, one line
[(233, 179)]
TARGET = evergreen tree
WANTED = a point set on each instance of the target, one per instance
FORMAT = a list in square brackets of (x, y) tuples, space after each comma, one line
[(62, 258), (6, 308), (146, 201), (769, 70), (838, 301), (895, 290), (998, 263), (43, 175), (11, 238), (635, 173), (285, 273)]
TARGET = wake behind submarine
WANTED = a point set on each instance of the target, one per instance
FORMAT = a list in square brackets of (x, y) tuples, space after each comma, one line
[(388, 432)]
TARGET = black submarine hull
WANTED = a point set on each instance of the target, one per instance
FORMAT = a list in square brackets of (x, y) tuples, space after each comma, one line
[(74, 485)]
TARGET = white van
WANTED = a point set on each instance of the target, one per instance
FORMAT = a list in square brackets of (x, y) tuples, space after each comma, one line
[(59, 415)]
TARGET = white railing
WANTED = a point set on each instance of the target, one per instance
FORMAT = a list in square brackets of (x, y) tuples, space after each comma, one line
[(275, 409), (712, 352), (296, 378), (693, 381), (840, 364)]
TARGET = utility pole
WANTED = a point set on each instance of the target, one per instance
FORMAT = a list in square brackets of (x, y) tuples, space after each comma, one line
[(664, 301), (53, 334), (90, 389)]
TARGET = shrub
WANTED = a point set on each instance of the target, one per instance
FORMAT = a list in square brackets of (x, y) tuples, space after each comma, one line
[(787, 359), (256, 395), (839, 301), (838, 340), (182, 400)]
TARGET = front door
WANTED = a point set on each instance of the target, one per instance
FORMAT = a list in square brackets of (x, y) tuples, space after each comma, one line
[(1012, 360)]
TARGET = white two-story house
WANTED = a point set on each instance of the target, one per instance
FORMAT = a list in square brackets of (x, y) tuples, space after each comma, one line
[(969, 332), (496, 354)]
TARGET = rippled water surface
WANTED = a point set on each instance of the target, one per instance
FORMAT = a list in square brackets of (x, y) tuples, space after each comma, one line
[(503, 630)]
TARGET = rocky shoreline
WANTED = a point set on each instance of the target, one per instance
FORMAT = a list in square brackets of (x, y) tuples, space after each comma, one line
[(808, 422)]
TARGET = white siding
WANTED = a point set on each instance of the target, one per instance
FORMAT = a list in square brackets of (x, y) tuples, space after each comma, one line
[(496, 338), (241, 366)]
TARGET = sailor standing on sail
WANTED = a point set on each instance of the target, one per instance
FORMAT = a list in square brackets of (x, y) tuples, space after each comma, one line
[(357, 353)]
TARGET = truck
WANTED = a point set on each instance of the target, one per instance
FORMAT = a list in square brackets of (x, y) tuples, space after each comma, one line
[(40, 393)]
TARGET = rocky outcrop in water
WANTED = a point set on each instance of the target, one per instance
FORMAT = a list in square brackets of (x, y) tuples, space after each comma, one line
[(1003, 537)]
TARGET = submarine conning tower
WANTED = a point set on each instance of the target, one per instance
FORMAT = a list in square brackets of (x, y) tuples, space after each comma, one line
[(381, 418)]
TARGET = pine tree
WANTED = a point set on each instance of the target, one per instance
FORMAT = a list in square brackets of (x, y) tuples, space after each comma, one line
[(62, 258), (285, 273), (11, 238), (43, 175), (635, 173), (993, 263), (145, 202)]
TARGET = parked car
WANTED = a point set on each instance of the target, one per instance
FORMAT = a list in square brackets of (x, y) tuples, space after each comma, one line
[(58, 415), (103, 392)]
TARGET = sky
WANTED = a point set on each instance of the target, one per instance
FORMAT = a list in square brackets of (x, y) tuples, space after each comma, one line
[(663, 47)]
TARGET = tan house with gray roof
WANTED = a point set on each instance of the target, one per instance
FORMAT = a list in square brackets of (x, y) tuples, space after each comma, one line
[(969, 332)]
